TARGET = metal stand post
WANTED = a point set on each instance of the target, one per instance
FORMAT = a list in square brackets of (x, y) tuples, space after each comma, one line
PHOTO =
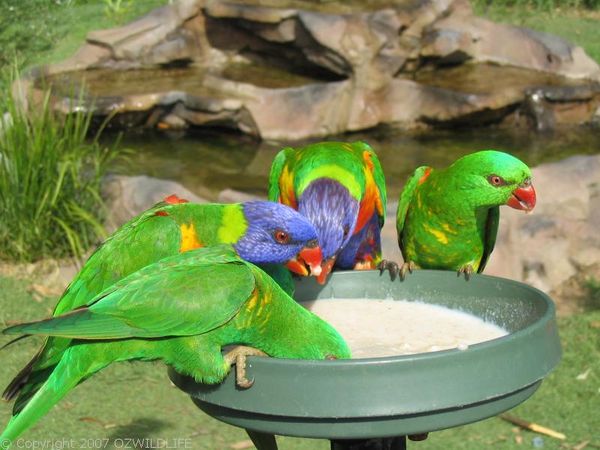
[(395, 443), (262, 441)]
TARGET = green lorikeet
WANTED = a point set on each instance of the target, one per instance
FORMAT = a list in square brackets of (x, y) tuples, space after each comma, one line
[(261, 232), (340, 188), (182, 310), (448, 219)]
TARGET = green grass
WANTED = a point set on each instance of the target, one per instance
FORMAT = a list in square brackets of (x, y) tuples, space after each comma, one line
[(137, 400), (592, 285), (50, 179), (45, 31), (547, 5), (577, 25)]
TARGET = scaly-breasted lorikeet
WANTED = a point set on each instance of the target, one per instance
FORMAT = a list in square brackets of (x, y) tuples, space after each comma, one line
[(182, 310), (340, 187), (261, 232), (448, 219)]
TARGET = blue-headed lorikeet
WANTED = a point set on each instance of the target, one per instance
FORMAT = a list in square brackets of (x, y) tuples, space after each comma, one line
[(340, 188), (182, 310), (261, 232)]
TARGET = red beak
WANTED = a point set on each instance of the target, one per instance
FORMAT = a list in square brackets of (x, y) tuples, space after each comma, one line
[(325, 270), (522, 198), (310, 256)]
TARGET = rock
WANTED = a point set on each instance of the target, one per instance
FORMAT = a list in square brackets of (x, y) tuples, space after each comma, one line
[(457, 38), (315, 69), (128, 196), (389, 236), (156, 38), (233, 196), (560, 237)]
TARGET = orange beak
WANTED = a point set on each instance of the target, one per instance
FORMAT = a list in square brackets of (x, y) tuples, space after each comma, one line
[(523, 198), (311, 256), (325, 270)]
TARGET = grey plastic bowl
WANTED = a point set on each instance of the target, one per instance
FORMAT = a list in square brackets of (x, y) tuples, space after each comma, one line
[(403, 395)]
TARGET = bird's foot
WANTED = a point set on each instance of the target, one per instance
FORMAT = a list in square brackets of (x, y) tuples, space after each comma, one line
[(237, 355), (407, 267), (390, 266), (467, 270), (396, 270), (364, 265)]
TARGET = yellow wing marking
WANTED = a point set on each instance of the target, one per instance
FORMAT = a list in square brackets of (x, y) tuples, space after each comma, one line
[(189, 238), (439, 235)]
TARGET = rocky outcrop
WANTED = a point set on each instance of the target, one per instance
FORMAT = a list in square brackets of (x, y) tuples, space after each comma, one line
[(560, 238), (128, 196), (316, 69)]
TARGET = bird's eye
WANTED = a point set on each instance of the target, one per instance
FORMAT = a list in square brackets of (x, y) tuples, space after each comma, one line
[(496, 180), (281, 236)]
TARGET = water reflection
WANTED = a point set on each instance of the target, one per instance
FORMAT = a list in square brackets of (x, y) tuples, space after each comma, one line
[(206, 162)]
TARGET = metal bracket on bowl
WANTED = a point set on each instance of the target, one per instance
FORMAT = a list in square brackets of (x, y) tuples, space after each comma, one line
[(395, 443), (265, 441)]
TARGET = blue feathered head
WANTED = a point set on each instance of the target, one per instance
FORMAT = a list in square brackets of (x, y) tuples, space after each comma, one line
[(277, 234), (333, 211)]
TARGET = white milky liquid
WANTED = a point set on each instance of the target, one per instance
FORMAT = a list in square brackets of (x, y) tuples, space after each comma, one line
[(375, 328)]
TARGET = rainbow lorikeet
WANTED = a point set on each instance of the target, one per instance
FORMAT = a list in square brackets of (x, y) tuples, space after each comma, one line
[(182, 310), (448, 219), (260, 232), (340, 188)]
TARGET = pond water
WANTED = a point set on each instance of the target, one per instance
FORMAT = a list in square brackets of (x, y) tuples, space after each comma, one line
[(206, 162)]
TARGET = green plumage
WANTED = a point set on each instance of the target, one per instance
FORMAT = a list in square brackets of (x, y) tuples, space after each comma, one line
[(295, 168), (181, 310), (355, 167), (147, 238), (448, 219), (168, 228)]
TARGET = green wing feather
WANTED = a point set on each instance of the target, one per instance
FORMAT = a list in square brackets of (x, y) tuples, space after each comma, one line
[(406, 197), (282, 276), (491, 231), (180, 296), (275, 174), (379, 182), (154, 238)]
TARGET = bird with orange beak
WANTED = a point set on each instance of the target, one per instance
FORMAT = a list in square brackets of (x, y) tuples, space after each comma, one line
[(340, 188), (265, 233), (448, 219)]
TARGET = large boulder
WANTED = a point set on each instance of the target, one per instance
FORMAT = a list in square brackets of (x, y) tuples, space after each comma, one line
[(560, 237), (313, 69), (128, 196)]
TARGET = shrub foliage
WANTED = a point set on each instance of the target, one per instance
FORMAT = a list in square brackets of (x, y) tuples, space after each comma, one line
[(50, 180)]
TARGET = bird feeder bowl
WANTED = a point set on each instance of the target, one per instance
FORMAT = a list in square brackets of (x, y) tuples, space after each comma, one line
[(352, 401)]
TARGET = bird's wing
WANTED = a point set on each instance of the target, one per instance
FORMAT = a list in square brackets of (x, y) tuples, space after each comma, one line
[(379, 178), (144, 239), (491, 231), (282, 276), (275, 176), (406, 197), (174, 297)]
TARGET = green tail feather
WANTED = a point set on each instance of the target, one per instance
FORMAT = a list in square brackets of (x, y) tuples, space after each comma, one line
[(35, 381), (80, 323), (67, 374)]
